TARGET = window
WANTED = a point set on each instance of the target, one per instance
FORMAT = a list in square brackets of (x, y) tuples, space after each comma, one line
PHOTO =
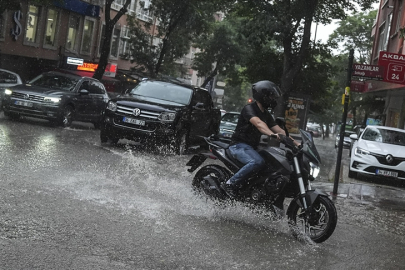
[(93, 87), (7, 77), (31, 33), (87, 36), (73, 31), (3, 25), (115, 40), (381, 38), (144, 12), (51, 27), (124, 50)]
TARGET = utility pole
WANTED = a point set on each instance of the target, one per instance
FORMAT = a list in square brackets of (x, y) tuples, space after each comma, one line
[(345, 99)]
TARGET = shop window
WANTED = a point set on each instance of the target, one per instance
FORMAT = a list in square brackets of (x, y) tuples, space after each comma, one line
[(87, 36), (73, 32), (51, 27), (31, 33)]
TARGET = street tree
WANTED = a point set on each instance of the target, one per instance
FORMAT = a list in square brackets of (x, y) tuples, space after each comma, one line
[(106, 38), (289, 24), (157, 44), (221, 50), (354, 32)]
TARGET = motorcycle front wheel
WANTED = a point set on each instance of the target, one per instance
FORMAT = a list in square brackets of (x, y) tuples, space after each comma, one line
[(318, 224)]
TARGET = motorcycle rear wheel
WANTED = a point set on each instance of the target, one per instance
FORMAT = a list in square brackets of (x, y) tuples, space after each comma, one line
[(318, 225), (216, 172)]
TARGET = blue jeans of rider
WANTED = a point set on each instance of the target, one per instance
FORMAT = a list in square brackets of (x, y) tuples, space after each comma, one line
[(247, 155)]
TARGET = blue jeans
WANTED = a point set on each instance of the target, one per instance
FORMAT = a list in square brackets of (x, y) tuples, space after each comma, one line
[(247, 155)]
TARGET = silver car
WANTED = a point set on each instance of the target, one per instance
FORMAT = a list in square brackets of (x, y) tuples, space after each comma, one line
[(7, 79)]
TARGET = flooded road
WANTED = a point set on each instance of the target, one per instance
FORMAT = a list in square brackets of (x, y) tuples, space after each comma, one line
[(69, 202)]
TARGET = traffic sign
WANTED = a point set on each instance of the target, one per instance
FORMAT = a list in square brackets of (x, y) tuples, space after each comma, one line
[(394, 65), (370, 71)]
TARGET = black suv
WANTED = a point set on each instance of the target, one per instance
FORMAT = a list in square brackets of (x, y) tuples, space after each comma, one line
[(58, 97), (161, 112)]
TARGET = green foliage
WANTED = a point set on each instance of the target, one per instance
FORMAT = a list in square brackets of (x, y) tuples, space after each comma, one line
[(354, 32), (180, 22)]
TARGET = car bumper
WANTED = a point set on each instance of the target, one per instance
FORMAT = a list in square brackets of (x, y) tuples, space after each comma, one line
[(369, 165), (116, 127), (33, 109)]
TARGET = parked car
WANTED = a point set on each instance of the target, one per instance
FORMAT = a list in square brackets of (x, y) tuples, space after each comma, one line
[(346, 139), (228, 125), (379, 151), (315, 130), (58, 97), (161, 112), (7, 79)]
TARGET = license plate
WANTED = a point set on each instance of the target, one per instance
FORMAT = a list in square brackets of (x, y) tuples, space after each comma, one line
[(23, 103), (133, 121), (386, 173)]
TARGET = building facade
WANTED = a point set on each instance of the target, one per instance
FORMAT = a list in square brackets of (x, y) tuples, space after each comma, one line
[(387, 37)]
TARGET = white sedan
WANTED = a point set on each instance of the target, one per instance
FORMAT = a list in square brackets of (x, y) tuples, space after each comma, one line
[(379, 151)]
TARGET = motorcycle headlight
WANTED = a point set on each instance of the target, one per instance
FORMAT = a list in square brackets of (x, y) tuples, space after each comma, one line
[(314, 171), (167, 116), (359, 151), (112, 106), (8, 92), (51, 99)]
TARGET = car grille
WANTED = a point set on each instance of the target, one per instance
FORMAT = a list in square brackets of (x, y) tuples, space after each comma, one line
[(144, 113), (382, 160), (27, 97)]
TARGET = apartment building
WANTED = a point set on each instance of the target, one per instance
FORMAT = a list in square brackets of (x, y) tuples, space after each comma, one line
[(389, 50)]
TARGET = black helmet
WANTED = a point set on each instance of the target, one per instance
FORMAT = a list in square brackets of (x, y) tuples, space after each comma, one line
[(266, 92)]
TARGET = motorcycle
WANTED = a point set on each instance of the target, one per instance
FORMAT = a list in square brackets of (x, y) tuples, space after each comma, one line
[(288, 173)]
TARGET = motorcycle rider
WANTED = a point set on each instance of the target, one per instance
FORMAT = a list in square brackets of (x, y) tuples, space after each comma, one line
[(254, 120)]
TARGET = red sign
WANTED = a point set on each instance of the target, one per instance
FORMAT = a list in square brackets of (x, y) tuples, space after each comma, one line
[(394, 65), (370, 71), (357, 86)]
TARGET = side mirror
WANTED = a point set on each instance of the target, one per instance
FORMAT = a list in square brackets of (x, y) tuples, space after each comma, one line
[(353, 137), (83, 92)]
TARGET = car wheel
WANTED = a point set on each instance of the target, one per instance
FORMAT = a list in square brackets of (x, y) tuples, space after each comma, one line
[(181, 142), (67, 116), (352, 174), (105, 137)]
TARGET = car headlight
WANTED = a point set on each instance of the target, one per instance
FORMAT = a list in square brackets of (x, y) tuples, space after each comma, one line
[(314, 171), (51, 99), (167, 116), (8, 92), (359, 151), (112, 106)]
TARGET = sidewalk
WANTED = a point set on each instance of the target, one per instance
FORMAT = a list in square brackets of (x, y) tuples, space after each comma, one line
[(348, 188)]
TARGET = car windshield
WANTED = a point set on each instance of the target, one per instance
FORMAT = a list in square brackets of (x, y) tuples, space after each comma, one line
[(230, 117), (376, 134), (164, 91), (55, 81)]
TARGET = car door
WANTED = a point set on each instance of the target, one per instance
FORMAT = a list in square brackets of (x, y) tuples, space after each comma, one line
[(200, 115), (98, 95), (83, 101)]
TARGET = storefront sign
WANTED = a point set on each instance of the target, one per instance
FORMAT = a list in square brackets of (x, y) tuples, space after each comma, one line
[(80, 7), (16, 30), (394, 65), (110, 70), (74, 61)]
